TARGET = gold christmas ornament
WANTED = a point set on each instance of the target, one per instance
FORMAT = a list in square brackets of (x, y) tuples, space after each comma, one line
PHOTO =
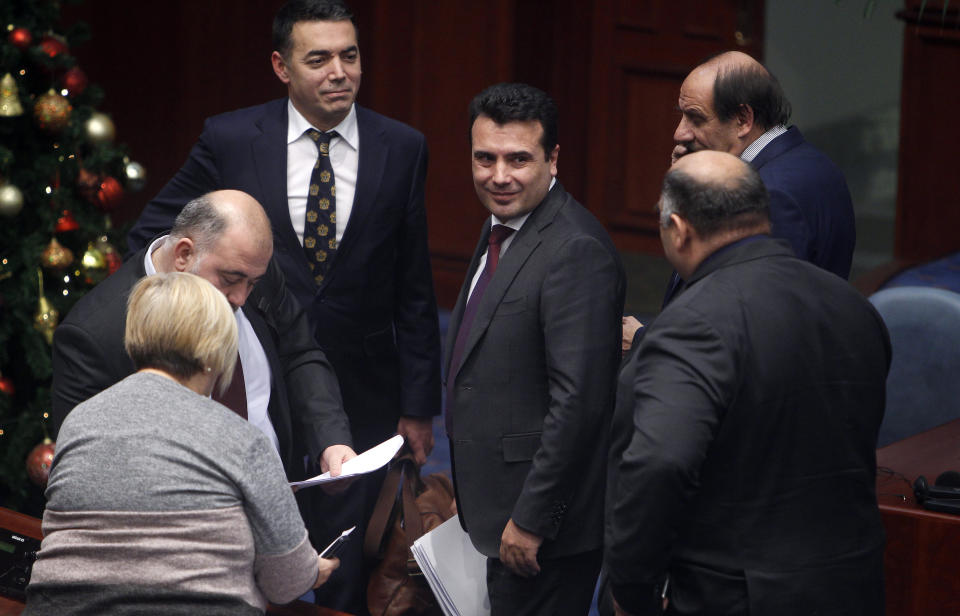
[(11, 200), (52, 112), (46, 318), (99, 128), (93, 264), (56, 256), (10, 106)]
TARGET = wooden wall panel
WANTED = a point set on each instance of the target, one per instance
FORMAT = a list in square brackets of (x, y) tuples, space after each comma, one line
[(428, 61), (928, 193), (166, 67), (640, 55)]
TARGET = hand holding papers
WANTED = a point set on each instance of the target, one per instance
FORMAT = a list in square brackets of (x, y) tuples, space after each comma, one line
[(366, 462)]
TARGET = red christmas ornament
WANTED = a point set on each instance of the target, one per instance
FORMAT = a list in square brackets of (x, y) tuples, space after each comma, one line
[(66, 222), (75, 80), (20, 38), (6, 385), (113, 262), (110, 254), (53, 46), (109, 195), (39, 461)]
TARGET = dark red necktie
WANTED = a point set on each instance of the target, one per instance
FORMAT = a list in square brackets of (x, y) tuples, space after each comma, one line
[(498, 234), (235, 397)]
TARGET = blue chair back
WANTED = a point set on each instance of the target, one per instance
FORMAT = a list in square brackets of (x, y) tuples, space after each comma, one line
[(923, 387)]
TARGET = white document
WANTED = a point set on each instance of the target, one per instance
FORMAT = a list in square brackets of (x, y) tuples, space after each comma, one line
[(455, 570), (367, 462)]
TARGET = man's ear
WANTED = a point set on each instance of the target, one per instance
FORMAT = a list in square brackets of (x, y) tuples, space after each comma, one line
[(184, 254), (683, 232), (279, 67), (744, 120)]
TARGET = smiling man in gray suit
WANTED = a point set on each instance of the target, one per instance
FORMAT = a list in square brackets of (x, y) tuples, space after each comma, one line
[(531, 358)]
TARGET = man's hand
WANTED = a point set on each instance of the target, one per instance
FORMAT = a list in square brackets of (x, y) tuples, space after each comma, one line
[(518, 550), (630, 327), (327, 566), (679, 151), (418, 433), (332, 460)]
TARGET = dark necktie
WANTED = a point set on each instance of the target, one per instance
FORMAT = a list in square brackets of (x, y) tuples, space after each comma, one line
[(235, 397), (498, 234), (320, 226)]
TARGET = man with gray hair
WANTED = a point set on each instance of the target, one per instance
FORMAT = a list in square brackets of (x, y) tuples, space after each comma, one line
[(283, 384), (743, 465)]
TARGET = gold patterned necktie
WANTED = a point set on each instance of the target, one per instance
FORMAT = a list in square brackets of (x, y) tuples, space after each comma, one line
[(320, 227)]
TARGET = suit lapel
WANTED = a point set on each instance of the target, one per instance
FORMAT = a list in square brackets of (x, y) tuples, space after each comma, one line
[(523, 246), (269, 152), (275, 408), (457, 315), (374, 150)]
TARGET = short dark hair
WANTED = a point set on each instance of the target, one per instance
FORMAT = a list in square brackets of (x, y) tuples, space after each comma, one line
[(711, 207), (518, 102), (201, 221), (306, 10), (751, 85)]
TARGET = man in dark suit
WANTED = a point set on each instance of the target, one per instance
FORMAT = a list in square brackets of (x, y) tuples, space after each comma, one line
[(531, 360), (288, 387), (354, 251), (732, 104), (743, 462)]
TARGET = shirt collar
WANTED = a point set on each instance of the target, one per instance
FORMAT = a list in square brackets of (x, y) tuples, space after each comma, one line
[(148, 258), (516, 223), (761, 142), (347, 128)]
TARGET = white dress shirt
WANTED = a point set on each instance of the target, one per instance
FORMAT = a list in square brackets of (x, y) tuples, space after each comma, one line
[(256, 368), (302, 156), (761, 142)]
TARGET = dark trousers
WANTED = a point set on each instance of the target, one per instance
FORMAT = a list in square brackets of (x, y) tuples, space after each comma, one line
[(564, 587), (346, 590)]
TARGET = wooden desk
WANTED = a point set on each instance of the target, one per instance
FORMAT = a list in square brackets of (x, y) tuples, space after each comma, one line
[(922, 559), (30, 526)]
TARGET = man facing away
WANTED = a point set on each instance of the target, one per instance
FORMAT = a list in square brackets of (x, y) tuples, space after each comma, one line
[(531, 359), (743, 466), (286, 387), (344, 189)]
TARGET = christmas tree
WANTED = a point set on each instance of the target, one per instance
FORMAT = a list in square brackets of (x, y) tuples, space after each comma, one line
[(59, 170)]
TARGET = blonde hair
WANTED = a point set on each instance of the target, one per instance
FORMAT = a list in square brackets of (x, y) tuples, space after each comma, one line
[(181, 324)]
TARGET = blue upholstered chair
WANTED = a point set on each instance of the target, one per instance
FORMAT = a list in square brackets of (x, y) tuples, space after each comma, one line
[(923, 388)]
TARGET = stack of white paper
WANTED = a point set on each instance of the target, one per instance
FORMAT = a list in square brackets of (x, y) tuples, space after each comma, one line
[(455, 570)]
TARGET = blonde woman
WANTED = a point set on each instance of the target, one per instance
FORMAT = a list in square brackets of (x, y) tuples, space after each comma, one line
[(161, 500)]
